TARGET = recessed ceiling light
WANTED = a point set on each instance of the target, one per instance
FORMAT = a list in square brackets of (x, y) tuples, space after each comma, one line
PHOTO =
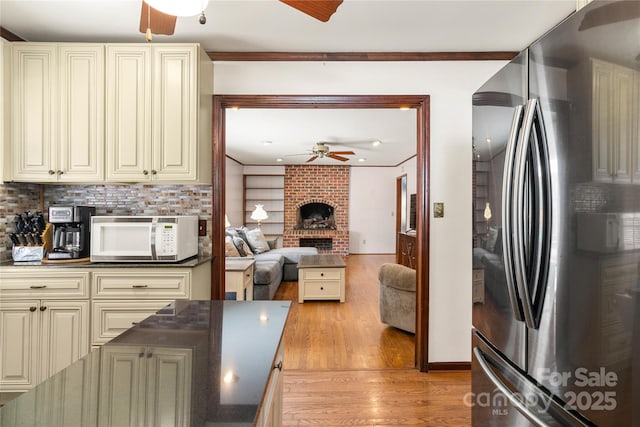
[(267, 143), (376, 143), (279, 159), (362, 159), (404, 108)]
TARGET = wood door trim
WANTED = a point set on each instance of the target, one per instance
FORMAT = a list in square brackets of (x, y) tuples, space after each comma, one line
[(362, 56), (422, 105)]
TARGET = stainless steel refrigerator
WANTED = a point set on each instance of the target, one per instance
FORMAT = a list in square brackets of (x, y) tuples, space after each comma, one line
[(556, 228)]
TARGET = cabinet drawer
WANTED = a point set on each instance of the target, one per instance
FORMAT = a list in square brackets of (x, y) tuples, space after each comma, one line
[(142, 285), (44, 283), (111, 318), (322, 274), (322, 289)]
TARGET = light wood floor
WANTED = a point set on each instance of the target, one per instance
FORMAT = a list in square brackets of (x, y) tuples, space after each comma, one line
[(343, 367)]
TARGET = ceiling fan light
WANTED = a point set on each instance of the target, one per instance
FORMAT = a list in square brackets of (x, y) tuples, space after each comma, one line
[(179, 7)]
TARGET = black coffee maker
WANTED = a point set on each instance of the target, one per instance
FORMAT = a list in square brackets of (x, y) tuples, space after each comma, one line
[(71, 231)]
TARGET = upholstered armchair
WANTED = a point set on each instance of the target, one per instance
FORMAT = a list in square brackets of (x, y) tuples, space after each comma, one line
[(398, 296)]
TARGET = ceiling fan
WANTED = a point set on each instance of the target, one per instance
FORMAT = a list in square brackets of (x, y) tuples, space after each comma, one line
[(155, 21), (322, 150)]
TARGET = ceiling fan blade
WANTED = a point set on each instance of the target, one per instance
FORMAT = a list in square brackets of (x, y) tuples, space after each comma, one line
[(319, 9), (160, 23), (312, 159), (334, 156), (610, 13), (351, 153)]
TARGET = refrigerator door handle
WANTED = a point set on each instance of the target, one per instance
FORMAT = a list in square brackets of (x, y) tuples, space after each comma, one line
[(518, 216), (507, 209), (515, 401), (533, 206)]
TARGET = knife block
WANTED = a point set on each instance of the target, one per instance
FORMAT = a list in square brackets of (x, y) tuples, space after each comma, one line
[(27, 253), (34, 253)]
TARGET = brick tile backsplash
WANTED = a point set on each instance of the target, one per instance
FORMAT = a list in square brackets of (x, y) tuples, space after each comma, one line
[(137, 199)]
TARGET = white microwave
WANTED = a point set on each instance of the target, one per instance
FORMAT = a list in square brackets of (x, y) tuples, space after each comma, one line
[(143, 238)]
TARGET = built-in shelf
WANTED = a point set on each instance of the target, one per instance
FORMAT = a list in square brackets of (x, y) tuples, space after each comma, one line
[(266, 190)]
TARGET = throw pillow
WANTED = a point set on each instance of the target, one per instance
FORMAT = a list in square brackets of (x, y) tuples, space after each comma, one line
[(242, 246), (492, 238), (257, 241), (229, 248)]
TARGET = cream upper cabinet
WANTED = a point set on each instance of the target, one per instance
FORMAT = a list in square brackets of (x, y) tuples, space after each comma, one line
[(158, 113), (614, 139), (57, 124)]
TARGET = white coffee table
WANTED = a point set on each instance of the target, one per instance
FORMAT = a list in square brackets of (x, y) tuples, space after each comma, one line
[(321, 277)]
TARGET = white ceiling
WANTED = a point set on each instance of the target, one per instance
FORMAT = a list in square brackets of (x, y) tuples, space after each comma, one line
[(272, 26)]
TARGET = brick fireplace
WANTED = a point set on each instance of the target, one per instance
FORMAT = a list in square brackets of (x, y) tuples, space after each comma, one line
[(317, 184)]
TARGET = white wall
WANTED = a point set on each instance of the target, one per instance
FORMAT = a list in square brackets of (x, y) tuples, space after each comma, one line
[(450, 86), (372, 204)]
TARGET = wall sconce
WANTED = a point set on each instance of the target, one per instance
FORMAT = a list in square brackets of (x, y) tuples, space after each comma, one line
[(259, 214)]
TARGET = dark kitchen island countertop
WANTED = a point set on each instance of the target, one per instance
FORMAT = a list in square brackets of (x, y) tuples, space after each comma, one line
[(190, 262), (193, 363)]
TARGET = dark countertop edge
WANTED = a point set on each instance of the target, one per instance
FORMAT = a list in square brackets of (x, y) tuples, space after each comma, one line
[(191, 262)]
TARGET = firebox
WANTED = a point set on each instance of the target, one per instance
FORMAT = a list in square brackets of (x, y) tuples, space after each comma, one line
[(316, 216)]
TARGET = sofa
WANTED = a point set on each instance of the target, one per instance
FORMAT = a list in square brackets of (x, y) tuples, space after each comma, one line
[(272, 265)]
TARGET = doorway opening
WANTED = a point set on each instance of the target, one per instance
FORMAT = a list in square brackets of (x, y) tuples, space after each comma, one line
[(419, 103)]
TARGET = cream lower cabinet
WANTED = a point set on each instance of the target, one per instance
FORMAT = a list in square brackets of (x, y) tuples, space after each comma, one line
[(153, 383), (121, 297), (270, 414), (44, 324)]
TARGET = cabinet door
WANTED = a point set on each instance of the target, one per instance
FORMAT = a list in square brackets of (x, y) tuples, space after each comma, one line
[(19, 352), (168, 387), (34, 112), (623, 99), (128, 115), (81, 74), (65, 334), (175, 112), (122, 368)]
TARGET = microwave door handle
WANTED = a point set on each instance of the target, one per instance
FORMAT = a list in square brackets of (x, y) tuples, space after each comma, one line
[(154, 226), (507, 209)]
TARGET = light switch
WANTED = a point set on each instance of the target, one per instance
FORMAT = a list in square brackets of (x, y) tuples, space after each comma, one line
[(438, 210)]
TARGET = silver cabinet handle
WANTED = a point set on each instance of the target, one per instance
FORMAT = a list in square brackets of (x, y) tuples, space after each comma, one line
[(43, 308), (145, 172), (278, 366), (51, 172), (32, 309), (154, 172), (59, 172)]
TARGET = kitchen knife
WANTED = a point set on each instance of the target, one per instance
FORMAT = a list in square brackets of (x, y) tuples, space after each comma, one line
[(38, 239), (23, 239), (30, 239), (14, 239)]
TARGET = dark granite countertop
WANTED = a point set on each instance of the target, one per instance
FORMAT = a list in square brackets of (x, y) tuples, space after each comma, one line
[(191, 262), (198, 342)]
